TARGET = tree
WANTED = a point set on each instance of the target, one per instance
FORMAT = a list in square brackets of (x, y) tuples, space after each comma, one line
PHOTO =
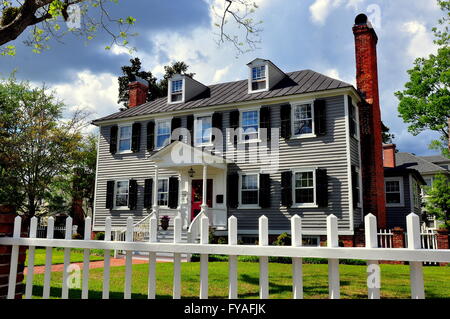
[(387, 136), (156, 89), (438, 200), (37, 144), (45, 20), (425, 101), (130, 72)]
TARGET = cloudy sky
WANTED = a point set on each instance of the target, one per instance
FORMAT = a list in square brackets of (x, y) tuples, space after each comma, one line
[(298, 34)]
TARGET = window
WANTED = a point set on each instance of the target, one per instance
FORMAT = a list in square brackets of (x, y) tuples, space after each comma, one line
[(177, 91), (259, 81), (163, 192), (121, 194), (303, 124), (394, 192), (353, 121), (124, 144), (356, 187), (249, 190), (250, 125), (304, 188), (162, 133), (203, 130)]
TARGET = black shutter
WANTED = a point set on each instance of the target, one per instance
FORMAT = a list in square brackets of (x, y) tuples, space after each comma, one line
[(110, 194), (150, 136), (216, 122), (148, 193), (354, 189), (352, 123), (233, 190), (136, 137), (322, 187), (190, 128), (176, 123), (234, 124), (320, 120), (286, 188), (132, 194), (173, 192), (264, 120), (264, 190), (113, 139), (285, 116)]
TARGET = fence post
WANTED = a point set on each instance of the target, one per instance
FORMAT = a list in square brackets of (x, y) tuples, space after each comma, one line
[(442, 241), (415, 267), (333, 264), (7, 215)]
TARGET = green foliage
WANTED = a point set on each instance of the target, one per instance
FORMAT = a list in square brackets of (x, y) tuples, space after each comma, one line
[(99, 236), (438, 200), (36, 145), (156, 89), (9, 14), (425, 101), (283, 240)]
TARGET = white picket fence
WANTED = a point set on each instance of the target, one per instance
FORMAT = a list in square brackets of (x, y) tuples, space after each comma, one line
[(385, 238), (414, 254)]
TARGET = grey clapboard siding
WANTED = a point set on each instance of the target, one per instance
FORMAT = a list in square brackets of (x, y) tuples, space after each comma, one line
[(328, 152), (396, 216)]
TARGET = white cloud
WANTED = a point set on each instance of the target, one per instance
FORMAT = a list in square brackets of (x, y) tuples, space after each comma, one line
[(355, 4), (421, 43), (94, 93), (334, 73), (321, 9)]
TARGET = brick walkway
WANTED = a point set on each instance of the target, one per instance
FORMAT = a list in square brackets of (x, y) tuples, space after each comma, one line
[(115, 262)]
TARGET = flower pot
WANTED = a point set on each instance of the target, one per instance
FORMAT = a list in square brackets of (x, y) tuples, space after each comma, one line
[(164, 224)]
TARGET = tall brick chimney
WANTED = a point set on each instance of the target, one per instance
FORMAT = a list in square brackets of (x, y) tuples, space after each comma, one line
[(389, 155), (370, 119), (137, 92)]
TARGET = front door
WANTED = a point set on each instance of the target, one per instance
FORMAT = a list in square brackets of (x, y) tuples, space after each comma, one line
[(197, 191)]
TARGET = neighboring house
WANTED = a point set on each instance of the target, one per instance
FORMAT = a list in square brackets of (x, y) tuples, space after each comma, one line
[(403, 188), (274, 144), (428, 167)]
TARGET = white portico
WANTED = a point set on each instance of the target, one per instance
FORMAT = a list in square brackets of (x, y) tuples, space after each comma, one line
[(202, 186)]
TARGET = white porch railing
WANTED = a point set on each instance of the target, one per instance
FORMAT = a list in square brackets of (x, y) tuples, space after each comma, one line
[(385, 238), (415, 255)]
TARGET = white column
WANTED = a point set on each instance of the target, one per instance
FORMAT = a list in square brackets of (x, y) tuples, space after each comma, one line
[(204, 205), (155, 194)]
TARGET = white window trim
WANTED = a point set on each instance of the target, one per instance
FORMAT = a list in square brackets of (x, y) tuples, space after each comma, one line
[(241, 134), (169, 97), (157, 195), (356, 135), (115, 195), (304, 205), (250, 78), (157, 121), (120, 126), (196, 116), (302, 136), (402, 194), (248, 206)]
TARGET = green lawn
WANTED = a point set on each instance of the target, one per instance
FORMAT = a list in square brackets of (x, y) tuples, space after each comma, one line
[(395, 281), (76, 255)]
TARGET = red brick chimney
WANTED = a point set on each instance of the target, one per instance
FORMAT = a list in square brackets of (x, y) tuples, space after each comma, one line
[(137, 92), (370, 119), (389, 155)]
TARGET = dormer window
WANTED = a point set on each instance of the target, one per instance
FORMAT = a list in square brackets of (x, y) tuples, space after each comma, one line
[(177, 91), (259, 81)]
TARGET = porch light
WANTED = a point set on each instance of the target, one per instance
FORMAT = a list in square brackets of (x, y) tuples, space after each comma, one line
[(191, 172)]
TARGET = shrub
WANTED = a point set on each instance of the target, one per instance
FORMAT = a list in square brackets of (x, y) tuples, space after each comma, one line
[(283, 240), (77, 236), (99, 236)]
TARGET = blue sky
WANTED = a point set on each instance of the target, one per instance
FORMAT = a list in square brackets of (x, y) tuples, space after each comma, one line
[(306, 34)]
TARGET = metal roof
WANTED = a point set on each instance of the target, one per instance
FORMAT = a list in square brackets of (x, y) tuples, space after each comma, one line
[(305, 81)]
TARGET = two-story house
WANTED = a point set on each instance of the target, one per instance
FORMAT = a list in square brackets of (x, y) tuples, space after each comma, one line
[(276, 144)]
